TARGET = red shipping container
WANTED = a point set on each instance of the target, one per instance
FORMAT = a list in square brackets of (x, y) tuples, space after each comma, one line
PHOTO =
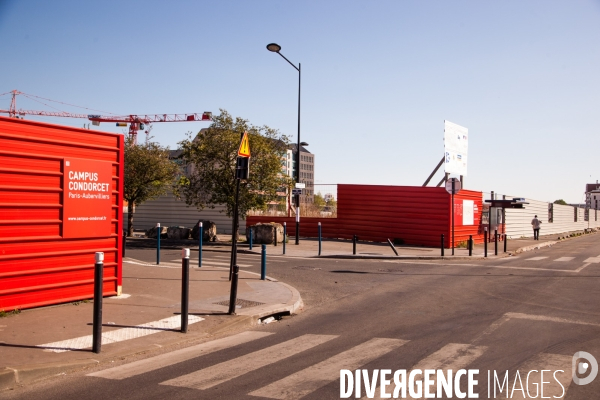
[(61, 201)]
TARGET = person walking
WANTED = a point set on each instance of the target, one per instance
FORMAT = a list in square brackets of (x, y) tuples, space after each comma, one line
[(535, 222)]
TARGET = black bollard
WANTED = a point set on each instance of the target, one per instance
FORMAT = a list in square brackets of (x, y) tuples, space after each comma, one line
[(98, 283), (320, 238), (354, 239), (284, 236), (185, 288), (470, 245), (442, 245), (496, 242), (234, 286), (124, 243), (485, 242), (275, 236), (263, 262), (505, 241), (158, 231)]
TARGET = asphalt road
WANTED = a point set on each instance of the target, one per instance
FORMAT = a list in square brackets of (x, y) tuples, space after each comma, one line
[(531, 312)]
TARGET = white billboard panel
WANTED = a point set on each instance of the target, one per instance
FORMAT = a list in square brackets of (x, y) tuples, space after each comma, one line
[(456, 144)]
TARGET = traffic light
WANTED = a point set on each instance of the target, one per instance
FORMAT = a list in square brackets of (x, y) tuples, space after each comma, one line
[(242, 168)]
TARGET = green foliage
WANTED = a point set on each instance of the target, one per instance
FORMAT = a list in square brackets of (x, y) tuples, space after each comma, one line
[(4, 314), (212, 156), (149, 173), (560, 201), (318, 200)]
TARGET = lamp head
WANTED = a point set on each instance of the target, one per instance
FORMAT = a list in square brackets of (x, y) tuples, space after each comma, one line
[(274, 47)]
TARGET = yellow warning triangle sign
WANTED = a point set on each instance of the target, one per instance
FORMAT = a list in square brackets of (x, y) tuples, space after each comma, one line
[(244, 150)]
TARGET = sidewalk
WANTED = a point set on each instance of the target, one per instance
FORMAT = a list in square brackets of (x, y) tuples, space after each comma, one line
[(46, 341), (43, 342)]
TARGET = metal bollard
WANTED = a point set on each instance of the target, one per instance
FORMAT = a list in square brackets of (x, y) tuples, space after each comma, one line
[(284, 236), (496, 242), (354, 239), (275, 236), (470, 245), (250, 238), (505, 241), (485, 242), (201, 235), (124, 243), (442, 245), (320, 238), (158, 230), (233, 294), (98, 283), (185, 288), (263, 262)]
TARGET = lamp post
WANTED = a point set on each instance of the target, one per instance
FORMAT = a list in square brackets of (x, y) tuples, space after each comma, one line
[(275, 48)]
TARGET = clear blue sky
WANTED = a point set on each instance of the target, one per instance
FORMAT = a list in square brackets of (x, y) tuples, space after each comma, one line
[(378, 79)]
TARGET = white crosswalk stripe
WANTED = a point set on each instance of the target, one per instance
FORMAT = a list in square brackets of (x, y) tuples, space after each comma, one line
[(550, 363), (312, 378), (453, 356), (225, 371), (536, 258), (175, 357), (565, 259)]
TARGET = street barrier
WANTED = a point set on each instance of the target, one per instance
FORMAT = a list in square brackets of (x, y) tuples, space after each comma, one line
[(320, 238), (201, 235), (185, 288), (263, 262), (158, 231), (97, 320), (442, 245)]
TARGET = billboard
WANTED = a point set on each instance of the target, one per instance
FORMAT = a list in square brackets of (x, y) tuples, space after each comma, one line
[(456, 144), (87, 201)]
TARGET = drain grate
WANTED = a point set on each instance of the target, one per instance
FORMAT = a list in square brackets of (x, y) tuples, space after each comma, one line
[(241, 303), (306, 268)]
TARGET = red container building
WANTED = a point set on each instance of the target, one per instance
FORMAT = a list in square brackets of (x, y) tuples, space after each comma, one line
[(414, 214), (61, 201)]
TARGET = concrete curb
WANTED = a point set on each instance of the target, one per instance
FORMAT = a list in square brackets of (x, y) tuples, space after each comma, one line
[(535, 246), (26, 374)]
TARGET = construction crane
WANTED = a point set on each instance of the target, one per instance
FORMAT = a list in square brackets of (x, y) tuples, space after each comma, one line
[(135, 122)]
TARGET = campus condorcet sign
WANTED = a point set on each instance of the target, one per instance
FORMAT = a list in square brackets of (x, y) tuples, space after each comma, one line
[(456, 145), (87, 202)]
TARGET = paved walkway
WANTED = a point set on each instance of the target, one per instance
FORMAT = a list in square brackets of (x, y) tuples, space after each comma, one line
[(41, 342)]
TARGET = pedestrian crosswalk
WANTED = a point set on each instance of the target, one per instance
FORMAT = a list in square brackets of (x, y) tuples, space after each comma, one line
[(449, 358)]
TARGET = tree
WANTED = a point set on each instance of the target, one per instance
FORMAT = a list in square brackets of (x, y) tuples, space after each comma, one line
[(560, 201), (318, 200), (149, 173), (211, 156)]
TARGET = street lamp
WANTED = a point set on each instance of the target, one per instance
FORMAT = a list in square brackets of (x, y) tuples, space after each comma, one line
[(275, 48)]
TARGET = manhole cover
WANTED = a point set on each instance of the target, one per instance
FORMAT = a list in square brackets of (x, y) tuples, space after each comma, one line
[(306, 268), (241, 303)]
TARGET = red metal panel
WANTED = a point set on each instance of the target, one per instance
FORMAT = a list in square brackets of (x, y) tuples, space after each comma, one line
[(38, 266), (414, 214)]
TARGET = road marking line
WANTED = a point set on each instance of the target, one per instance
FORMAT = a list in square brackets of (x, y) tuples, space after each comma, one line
[(441, 263), (593, 260), (120, 335), (549, 363), (547, 319), (564, 259), (225, 371), (536, 258), (178, 356), (314, 377), (453, 356), (210, 262)]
